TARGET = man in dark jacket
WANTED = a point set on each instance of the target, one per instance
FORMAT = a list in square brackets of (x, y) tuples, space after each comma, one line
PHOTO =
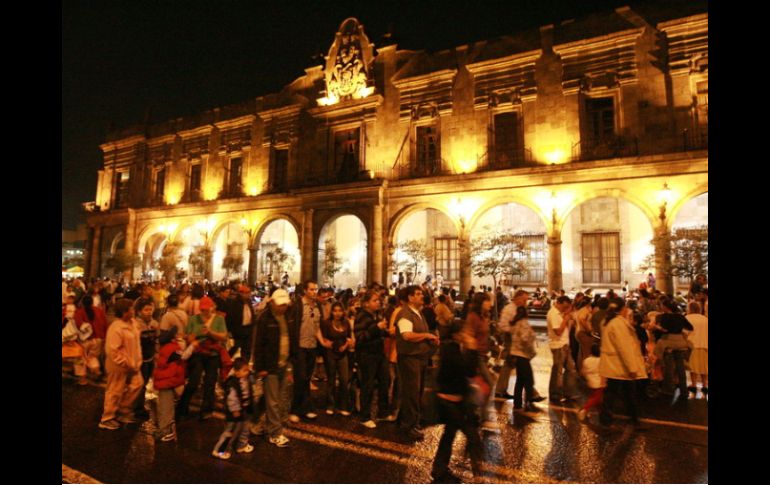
[(275, 350), (371, 329), (240, 319)]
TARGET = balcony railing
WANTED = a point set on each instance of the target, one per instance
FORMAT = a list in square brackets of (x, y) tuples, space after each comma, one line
[(610, 147), (502, 160), (631, 146)]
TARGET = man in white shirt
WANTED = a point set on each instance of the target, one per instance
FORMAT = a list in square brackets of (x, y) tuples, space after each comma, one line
[(563, 375)]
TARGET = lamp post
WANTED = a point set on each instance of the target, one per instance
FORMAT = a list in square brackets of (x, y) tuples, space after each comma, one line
[(554, 247)]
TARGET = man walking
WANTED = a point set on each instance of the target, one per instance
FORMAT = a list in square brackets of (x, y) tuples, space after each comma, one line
[(239, 320), (275, 347), (370, 330), (563, 375)]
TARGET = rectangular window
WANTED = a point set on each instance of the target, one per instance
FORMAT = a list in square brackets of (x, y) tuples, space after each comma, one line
[(508, 149), (428, 156), (346, 154), (446, 258), (234, 188), (601, 257), (160, 185), (534, 258), (280, 170), (195, 183), (121, 189), (600, 115)]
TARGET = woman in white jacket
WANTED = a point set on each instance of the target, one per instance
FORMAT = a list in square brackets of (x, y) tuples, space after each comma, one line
[(621, 362)]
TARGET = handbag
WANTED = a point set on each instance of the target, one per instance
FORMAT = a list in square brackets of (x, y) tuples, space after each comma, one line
[(85, 331)]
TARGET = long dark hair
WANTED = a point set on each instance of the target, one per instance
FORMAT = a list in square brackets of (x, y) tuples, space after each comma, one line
[(616, 306), (478, 299), (88, 305)]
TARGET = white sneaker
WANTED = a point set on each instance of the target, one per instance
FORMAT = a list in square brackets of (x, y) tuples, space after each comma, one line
[(369, 424), (246, 449), (390, 418), (345, 413), (294, 418), (330, 411), (280, 441), (311, 415), (222, 455)]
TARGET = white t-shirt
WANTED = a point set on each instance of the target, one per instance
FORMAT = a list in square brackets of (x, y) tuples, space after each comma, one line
[(554, 320), (590, 370), (405, 325), (700, 335)]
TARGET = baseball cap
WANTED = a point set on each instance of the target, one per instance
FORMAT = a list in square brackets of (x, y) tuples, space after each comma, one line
[(280, 297), (206, 303)]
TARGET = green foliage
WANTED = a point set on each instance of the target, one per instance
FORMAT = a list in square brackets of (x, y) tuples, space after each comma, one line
[(332, 264), (418, 251), (200, 260), (169, 260), (122, 261), (280, 261), (233, 262), (499, 255), (689, 252)]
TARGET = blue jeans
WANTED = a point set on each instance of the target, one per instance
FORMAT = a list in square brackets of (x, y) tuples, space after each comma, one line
[(303, 371), (277, 400), (234, 431), (563, 375)]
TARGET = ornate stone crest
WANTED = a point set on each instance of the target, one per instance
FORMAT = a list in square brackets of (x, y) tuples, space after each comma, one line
[(347, 70)]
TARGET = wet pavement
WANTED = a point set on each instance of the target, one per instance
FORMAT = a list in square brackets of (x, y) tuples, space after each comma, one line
[(550, 448)]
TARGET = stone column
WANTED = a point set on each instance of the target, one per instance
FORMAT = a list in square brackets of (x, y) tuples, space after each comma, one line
[(307, 246), (253, 263), (554, 262), (464, 247), (663, 278), (94, 259), (129, 246), (375, 243)]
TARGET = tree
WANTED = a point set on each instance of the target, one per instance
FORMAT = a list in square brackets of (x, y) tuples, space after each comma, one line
[(332, 264), (499, 255), (233, 262), (280, 261), (200, 260), (418, 252), (169, 261), (689, 252), (122, 261)]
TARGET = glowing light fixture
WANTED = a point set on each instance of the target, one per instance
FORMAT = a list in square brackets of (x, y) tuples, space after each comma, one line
[(555, 157), (466, 166)]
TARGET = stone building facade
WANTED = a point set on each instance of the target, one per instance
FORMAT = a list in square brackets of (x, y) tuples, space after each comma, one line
[(605, 113)]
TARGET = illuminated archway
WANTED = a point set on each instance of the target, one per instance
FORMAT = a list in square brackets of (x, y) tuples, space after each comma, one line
[(434, 230), (349, 236), (190, 237), (605, 240), (278, 245), (528, 224), (230, 242), (692, 212)]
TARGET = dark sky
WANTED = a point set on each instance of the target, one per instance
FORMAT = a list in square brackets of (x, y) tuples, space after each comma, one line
[(120, 59)]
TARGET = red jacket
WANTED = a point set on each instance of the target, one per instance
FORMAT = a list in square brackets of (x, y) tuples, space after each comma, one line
[(170, 368), (99, 324)]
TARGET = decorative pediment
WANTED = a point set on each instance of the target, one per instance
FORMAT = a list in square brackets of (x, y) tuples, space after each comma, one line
[(348, 66)]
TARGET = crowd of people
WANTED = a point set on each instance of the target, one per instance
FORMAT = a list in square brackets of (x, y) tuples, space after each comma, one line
[(262, 351)]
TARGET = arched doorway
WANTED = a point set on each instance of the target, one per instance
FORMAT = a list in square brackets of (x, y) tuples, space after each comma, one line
[(690, 240), (153, 250), (605, 242), (230, 253), (191, 240), (530, 231), (342, 252), (426, 243), (278, 252)]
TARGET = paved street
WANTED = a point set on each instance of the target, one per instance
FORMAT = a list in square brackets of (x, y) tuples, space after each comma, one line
[(551, 448)]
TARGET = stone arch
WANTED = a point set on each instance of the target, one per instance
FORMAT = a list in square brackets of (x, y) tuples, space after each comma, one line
[(404, 213), (220, 226), (507, 199), (260, 254), (358, 260), (677, 207), (263, 224), (119, 237), (649, 212), (227, 231)]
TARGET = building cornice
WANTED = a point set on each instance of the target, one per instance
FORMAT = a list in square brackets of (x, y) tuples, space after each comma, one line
[(122, 143), (235, 122), (197, 131), (502, 63)]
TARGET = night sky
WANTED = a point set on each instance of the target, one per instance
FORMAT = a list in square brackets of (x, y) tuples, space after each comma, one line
[(124, 61)]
